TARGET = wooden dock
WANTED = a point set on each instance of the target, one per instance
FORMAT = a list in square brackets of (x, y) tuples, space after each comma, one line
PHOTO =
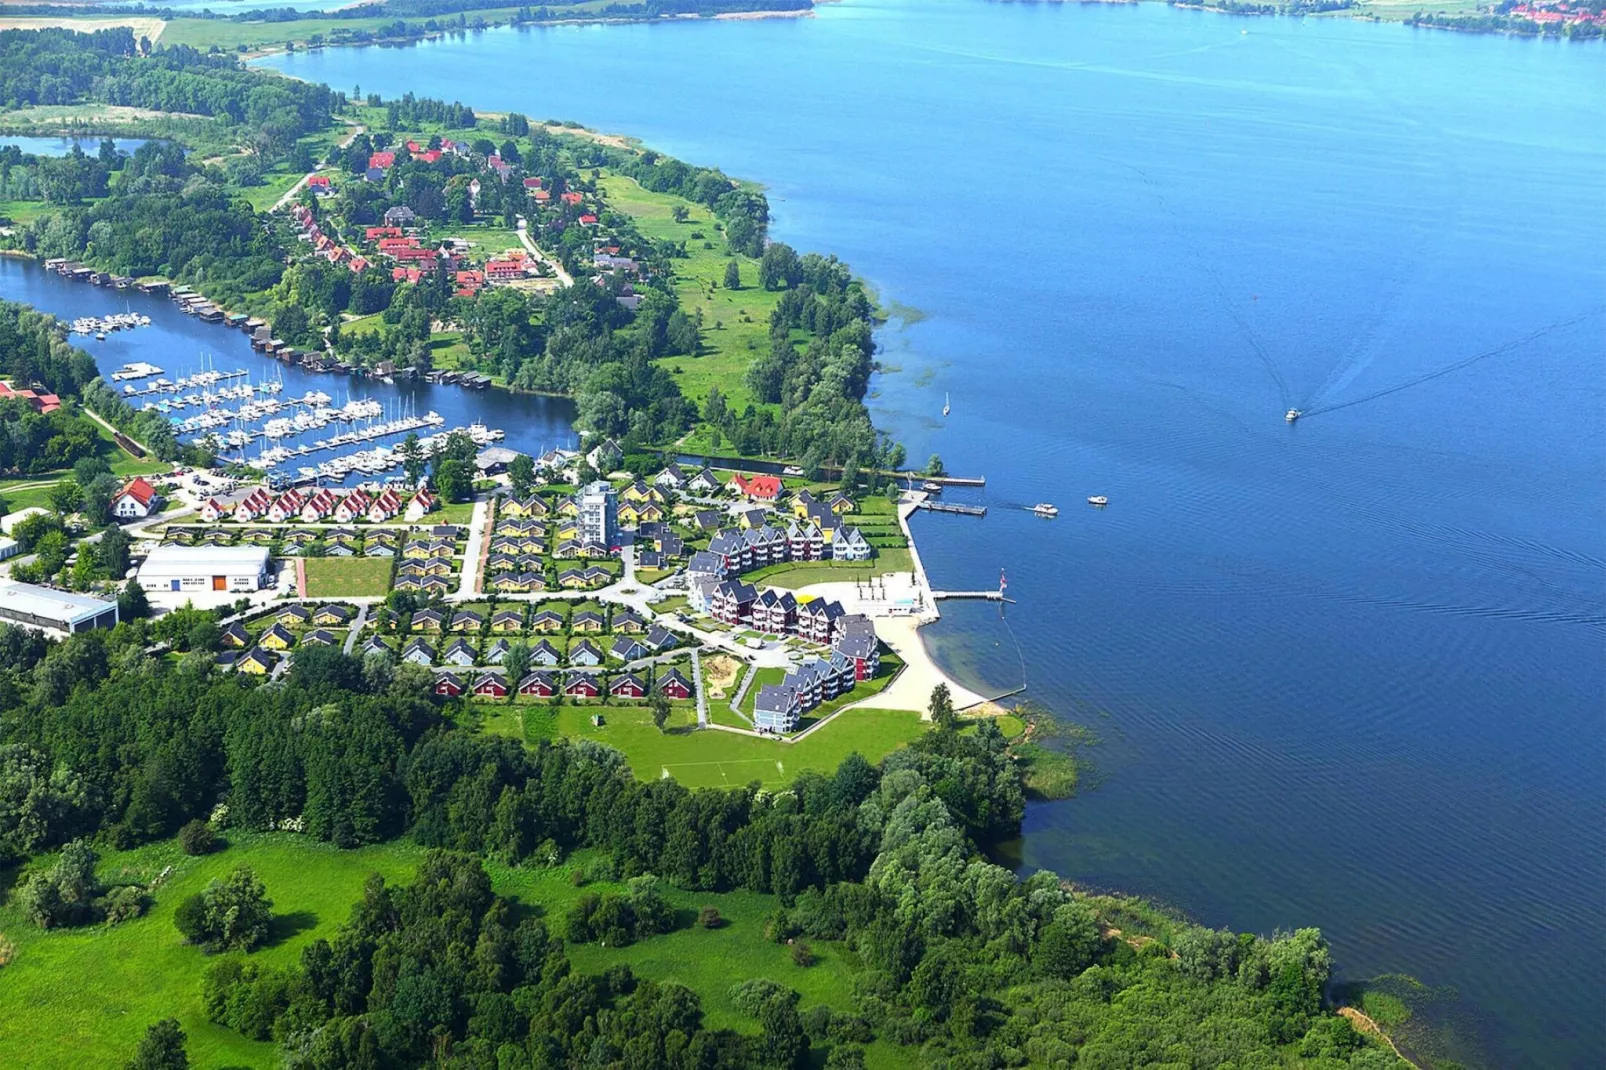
[(950, 507), (975, 596)]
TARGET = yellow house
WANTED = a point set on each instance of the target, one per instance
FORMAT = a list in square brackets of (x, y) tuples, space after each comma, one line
[(641, 492), (547, 620), (569, 507), (840, 503), (507, 620), (568, 530), (276, 638), (254, 662)]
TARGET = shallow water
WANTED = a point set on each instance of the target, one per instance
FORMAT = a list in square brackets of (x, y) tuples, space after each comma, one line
[(61, 146), (1349, 672)]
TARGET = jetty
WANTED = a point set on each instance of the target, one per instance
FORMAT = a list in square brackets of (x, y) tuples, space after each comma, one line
[(951, 507), (977, 596)]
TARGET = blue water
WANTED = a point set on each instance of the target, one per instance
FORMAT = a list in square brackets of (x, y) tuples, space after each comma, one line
[(1349, 672), (61, 146), (182, 345)]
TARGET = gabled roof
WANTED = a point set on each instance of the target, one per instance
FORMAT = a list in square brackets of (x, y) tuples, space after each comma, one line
[(139, 490)]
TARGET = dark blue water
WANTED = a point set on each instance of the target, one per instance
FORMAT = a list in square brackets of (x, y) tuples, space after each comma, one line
[(1349, 672), (61, 146), (182, 345)]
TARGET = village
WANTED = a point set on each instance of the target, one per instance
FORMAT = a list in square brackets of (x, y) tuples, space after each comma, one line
[(609, 591)]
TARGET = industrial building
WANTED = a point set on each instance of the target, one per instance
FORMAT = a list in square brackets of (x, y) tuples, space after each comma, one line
[(205, 568), (62, 611)]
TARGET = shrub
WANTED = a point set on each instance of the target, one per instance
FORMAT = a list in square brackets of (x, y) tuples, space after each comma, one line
[(802, 954), (232, 914), (708, 918), (197, 838), (123, 903)]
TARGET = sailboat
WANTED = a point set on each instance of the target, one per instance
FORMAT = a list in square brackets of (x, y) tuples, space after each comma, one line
[(945, 405)]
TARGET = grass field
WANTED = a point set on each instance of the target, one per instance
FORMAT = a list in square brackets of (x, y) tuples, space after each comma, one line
[(28, 491), (88, 994), (735, 323), (346, 577), (802, 575), (708, 758)]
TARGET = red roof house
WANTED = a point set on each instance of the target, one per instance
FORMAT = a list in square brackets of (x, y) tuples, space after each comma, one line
[(317, 181), (588, 220), (382, 159), (759, 488), (532, 183), (504, 269), (571, 198), (137, 499), (375, 233)]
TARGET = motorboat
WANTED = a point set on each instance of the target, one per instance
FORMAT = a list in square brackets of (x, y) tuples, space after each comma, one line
[(945, 405), (1045, 509), (1291, 415), (791, 470), (1098, 499)]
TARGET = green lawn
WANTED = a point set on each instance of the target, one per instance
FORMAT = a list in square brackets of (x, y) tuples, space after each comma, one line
[(793, 576), (27, 491), (735, 322), (344, 577), (710, 758), (88, 994)]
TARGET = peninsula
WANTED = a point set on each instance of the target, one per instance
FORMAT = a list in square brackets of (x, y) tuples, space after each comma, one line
[(465, 755)]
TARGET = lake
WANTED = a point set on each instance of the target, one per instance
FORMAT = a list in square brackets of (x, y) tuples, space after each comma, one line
[(1348, 672), (62, 146)]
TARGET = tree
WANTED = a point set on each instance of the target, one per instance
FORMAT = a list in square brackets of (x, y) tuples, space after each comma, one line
[(942, 708), (680, 213), (131, 602), (733, 276), (65, 497), (779, 268), (521, 475), (232, 914), (413, 459), (660, 710), (111, 553), (65, 894), (197, 838), (934, 466), (162, 1048), (452, 482), (517, 663)]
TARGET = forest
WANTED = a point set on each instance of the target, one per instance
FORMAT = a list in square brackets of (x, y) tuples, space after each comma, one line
[(102, 743)]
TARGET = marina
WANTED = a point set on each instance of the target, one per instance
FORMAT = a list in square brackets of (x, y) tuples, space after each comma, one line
[(296, 424)]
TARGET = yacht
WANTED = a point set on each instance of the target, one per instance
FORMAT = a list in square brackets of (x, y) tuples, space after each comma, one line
[(1098, 499), (1291, 415), (1045, 509), (791, 470), (945, 404)]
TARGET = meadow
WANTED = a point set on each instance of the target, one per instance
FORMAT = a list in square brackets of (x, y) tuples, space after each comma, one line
[(83, 997)]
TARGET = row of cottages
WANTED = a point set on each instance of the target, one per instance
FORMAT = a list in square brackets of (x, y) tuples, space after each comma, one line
[(540, 683), (324, 245), (136, 500), (780, 707), (780, 612), (323, 504), (735, 551), (804, 501), (523, 508), (586, 653)]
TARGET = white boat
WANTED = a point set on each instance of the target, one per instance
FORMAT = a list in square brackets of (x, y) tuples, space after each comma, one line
[(1291, 415), (1045, 509), (1098, 499), (945, 405), (791, 470)]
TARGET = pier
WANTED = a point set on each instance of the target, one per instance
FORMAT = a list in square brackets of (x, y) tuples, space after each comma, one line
[(975, 596), (950, 507)]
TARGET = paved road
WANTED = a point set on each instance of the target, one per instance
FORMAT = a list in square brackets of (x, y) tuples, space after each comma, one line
[(290, 194), (474, 555), (697, 688), (356, 626), (535, 251)]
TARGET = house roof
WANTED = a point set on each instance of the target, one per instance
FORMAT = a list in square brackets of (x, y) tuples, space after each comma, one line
[(139, 490)]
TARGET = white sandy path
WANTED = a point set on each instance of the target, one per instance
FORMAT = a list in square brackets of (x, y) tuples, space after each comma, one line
[(142, 26)]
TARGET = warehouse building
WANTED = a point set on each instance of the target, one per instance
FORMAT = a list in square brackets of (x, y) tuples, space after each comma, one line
[(61, 611), (205, 568)]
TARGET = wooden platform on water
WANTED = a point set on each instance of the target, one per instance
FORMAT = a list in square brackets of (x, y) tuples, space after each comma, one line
[(950, 507)]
